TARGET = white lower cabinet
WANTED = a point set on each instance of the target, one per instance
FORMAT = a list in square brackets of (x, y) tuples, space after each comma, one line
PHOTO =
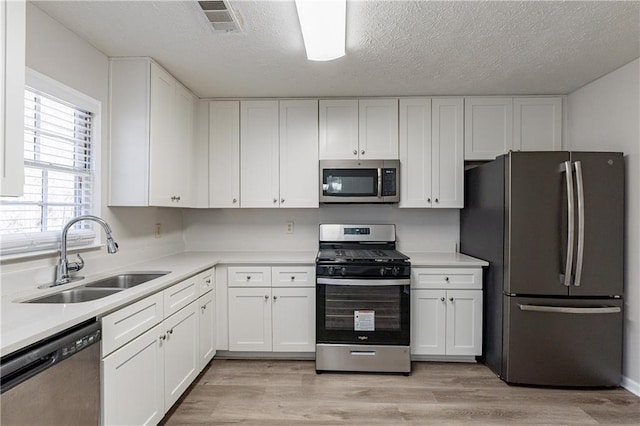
[(181, 353), (150, 357), (133, 382), (264, 318), (446, 312)]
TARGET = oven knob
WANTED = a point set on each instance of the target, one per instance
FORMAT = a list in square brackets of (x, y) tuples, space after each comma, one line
[(343, 270), (395, 271), (331, 270), (382, 271)]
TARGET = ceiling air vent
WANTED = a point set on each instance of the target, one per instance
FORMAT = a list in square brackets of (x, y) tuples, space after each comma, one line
[(221, 16)]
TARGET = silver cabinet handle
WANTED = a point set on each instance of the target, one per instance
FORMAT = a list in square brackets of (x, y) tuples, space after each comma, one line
[(580, 251), (437, 201), (208, 281), (170, 331), (204, 307), (235, 200), (178, 198), (248, 277), (570, 309), (428, 200), (282, 200), (293, 278), (266, 297), (163, 337), (442, 299), (275, 298), (275, 200), (570, 224), (362, 152), (446, 279), (355, 152), (451, 299)]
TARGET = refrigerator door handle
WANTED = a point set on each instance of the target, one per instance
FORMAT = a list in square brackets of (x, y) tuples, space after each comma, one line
[(580, 250), (570, 310), (570, 225)]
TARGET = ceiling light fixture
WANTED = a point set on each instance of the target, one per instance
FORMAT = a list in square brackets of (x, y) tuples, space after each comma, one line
[(323, 25)]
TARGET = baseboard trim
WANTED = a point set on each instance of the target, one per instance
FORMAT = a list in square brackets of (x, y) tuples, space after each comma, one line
[(291, 356), (444, 358), (631, 385)]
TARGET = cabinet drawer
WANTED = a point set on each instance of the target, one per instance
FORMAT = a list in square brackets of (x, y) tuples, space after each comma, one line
[(205, 281), (440, 278), (293, 276), (129, 322), (249, 276), (179, 296)]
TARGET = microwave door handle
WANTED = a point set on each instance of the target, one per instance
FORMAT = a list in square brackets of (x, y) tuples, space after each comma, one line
[(379, 182)]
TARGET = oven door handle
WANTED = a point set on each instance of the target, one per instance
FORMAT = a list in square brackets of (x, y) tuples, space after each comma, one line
[(363, 282)]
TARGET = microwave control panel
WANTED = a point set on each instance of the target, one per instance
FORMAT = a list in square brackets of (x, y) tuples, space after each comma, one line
[(389, 182)]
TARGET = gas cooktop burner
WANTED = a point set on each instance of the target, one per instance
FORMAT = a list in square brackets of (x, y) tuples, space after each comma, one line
[(349, 255)]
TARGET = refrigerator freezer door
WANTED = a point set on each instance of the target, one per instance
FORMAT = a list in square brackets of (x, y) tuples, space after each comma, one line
[(563, 342), (536, 225), (603, 234)]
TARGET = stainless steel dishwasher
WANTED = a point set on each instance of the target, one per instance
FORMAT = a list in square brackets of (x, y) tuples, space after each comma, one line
[(55, 381)]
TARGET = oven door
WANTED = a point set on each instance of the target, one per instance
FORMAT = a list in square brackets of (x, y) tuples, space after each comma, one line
[(363, 311)]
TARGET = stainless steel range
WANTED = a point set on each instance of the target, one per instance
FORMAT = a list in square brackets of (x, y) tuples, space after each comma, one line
[(362, 300)]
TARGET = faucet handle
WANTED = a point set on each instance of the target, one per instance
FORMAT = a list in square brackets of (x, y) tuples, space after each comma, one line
[(76, 266)]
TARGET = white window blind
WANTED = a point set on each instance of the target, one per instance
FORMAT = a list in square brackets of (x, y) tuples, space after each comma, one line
[(59, 177)]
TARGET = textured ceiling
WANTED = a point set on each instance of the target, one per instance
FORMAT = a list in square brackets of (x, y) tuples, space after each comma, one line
[(393, 47)]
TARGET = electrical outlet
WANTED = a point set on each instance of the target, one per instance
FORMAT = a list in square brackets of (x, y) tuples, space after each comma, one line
[(158, 233), (289, 229)]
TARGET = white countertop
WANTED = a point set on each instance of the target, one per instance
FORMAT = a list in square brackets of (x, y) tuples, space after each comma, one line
[(25, 323)]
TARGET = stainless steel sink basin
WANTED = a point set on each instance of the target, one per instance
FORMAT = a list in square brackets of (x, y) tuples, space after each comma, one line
[(101, 288), (128, 280), (76, 295)]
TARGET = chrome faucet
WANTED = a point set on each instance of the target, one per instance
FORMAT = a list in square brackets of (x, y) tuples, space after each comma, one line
[(64, 266)]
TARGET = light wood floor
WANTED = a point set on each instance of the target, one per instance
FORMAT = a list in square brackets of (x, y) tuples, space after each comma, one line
[(290, 392)]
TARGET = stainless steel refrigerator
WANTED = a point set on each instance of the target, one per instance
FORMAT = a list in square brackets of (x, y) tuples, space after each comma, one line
[(551, 224)]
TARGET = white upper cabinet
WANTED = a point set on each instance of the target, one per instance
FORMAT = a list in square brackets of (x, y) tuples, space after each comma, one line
[(152, 136), (12, 65), (224, 154), (338, 129), (359, 129), (488, 127), (259, 135), (378, 129), (299, 177), (279, 154), (537, 124), (493, 126), (431, 152)]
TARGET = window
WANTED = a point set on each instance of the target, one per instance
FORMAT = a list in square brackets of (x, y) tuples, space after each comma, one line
[(59, 160)]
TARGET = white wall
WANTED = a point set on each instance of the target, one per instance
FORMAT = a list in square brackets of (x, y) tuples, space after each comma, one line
[(53, 50), (605, 116), (264, 229)]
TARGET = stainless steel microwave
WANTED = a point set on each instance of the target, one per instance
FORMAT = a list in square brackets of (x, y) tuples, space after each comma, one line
[(359, 181)]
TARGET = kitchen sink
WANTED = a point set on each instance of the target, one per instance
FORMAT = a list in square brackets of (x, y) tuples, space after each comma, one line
[(128, 280), (76, 295), (101, 288)]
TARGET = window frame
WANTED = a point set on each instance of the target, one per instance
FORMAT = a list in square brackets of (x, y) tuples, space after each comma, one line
[(83, 238)]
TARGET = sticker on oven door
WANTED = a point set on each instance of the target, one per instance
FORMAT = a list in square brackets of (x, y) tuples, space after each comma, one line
[(364, 320)]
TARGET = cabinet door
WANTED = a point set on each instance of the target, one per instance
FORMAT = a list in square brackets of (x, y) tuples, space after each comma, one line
[(488, 127), (428, 322), (338, 129), (464, 322), (378, 129), (294, 319), (447, 169), (181, 353), (415, 152), (259, 171), (163, 159), (299, 184), (537, 124), (206, 325), (133, 382), (183, 146), (250, 319), (224, 154), (12, 63)]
